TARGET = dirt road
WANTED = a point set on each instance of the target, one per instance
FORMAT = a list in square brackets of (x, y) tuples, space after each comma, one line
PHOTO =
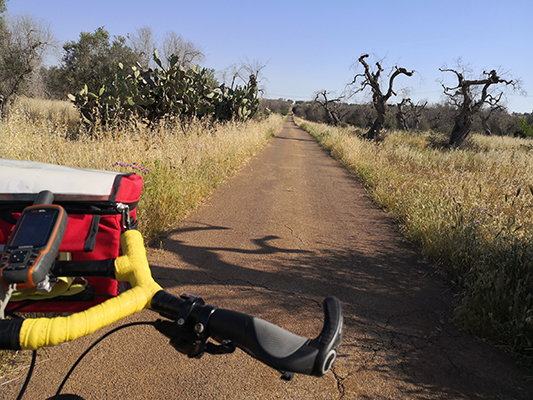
[(291, 228)]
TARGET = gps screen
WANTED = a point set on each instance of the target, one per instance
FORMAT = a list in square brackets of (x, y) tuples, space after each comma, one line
[(34, 229)]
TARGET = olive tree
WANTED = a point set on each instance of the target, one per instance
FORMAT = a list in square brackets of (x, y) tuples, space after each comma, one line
[(469, 97), (401, 115), (486, 115), (372, 79), (408, 114), (331, 107), (416, 112), (24, 42)]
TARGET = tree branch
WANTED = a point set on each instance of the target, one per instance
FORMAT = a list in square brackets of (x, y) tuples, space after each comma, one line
[(398, 71)]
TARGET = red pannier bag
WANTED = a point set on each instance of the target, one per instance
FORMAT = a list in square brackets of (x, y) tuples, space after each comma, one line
[(99, 204)]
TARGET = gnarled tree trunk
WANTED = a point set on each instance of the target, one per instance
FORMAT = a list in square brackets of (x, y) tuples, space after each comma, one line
[(330, 107), (379, 122), (461, 128), (462, 97)]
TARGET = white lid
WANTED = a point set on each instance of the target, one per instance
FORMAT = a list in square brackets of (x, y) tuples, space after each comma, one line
[(23, 179)]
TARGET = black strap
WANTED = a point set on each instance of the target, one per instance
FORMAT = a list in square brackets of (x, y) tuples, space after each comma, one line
[(90, 243), (99, 268)]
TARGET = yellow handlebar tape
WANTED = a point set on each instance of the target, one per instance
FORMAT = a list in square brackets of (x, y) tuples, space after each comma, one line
[(131, 267)]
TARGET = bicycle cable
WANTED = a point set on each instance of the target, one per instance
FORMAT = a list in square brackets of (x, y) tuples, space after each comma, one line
[(34, 358), (28, 376), (80, 358), (92, 346)]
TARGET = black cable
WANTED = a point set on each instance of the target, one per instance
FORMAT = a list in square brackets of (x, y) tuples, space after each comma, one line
[(92, 346), (28, 377)]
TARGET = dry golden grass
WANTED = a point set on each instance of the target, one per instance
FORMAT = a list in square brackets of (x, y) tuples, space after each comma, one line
[(470, 210), (179, 169), (60, 114)]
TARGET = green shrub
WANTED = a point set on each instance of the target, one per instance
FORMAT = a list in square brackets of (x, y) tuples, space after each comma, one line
[(525, 130)]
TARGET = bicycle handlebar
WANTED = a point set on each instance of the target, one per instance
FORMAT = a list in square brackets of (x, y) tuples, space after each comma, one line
[(192, 322), (278, 348)]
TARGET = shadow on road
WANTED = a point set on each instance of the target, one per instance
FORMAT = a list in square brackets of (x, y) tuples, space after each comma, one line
[(397, 313)]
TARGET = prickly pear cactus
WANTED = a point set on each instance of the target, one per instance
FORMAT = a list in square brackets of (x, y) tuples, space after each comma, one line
[(165, 93)]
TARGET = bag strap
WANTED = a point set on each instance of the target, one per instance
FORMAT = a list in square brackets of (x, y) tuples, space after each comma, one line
[(90, 242)]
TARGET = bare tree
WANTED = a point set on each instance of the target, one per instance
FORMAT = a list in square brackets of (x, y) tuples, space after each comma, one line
[(24, 42), (379, 99), (254, 68), (408, 114), (416, 112), (330, 106), (247, 71), (486, 115), (189, 54), (401, 115), (230, 74), (143, 43), (469, 100)]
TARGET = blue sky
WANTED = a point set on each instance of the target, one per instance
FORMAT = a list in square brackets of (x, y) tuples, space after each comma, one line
[(313, 45)]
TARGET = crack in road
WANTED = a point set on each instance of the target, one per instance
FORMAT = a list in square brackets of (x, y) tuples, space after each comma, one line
[(254, 287), (340, 383), (294, 234)]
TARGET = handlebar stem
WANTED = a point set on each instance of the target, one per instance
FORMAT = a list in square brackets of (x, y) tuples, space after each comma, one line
[(188, 333)]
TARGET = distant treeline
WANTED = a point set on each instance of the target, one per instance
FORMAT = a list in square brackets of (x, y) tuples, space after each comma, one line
[(416, 116)]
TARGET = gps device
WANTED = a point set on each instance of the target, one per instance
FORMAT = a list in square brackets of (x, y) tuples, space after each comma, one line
[(32, 247)]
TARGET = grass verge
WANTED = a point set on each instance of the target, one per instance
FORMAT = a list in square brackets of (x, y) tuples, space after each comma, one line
[(471, 212)]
